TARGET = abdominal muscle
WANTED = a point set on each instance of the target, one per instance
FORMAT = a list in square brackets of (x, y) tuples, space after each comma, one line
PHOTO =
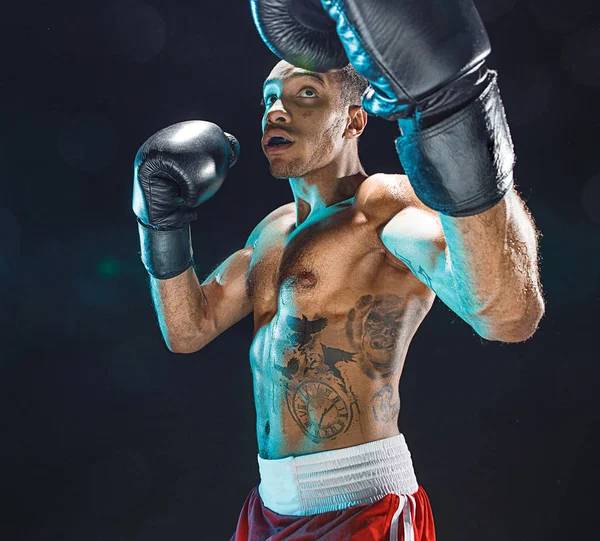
[(327, 382)]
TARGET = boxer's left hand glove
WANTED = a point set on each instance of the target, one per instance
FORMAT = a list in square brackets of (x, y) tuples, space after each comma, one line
[(425, 65)]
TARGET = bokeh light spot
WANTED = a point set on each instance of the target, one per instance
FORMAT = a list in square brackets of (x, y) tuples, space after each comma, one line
[(109, 267)]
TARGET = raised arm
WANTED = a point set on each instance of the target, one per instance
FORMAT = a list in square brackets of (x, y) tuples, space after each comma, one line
[(190, 315), (176, 170), (483, 267), (426, 66)]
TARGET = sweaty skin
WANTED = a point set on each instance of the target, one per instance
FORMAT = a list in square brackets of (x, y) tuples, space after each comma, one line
[(333, 315), (339, 280)]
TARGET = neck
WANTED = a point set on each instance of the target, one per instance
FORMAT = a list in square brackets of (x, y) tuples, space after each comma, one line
[(326, 186)]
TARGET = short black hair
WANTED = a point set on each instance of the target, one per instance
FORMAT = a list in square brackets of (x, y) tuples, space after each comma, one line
[(352, 85)]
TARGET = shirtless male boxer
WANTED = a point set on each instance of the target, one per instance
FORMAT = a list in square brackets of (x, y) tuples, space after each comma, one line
[(339, 280)]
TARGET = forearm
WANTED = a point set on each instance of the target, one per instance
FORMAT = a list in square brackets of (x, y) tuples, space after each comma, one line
[(494, 262), (181, 309)]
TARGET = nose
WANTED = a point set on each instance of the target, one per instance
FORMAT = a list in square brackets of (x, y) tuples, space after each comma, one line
[(277, 114)]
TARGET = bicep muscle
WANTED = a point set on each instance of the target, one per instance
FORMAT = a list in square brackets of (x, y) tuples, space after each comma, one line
[(415, 237)]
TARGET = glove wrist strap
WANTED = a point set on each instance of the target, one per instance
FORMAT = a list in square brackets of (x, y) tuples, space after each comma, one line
[(165, 254), (463, 165)]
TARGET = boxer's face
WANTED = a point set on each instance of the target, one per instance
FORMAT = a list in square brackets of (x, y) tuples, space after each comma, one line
[(305, 108)]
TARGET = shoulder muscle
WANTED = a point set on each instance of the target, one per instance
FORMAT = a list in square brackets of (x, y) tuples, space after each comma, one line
[(381, 196), (284, 210)]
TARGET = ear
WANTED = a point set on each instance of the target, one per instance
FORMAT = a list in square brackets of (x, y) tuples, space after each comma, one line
[(356, 122)]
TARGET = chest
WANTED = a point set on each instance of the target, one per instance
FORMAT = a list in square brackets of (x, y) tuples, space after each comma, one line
[(308, 265)]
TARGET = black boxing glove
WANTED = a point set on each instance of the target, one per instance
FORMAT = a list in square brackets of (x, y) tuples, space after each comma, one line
[(300, 32), (176, 170), (425, 65)]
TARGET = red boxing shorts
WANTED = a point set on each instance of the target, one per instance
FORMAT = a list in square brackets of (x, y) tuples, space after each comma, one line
[(367, 492)]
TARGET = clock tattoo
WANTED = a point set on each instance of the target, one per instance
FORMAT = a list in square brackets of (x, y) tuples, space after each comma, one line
[(320, 411), (318, 399)]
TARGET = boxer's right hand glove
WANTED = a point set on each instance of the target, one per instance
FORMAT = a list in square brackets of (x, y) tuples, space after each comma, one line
[(176, 170)]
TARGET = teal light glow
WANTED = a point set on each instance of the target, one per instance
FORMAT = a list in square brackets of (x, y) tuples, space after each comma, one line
[(109, 267)]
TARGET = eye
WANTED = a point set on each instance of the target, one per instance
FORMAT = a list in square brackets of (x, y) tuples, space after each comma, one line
[(308, 93), (268, 100)]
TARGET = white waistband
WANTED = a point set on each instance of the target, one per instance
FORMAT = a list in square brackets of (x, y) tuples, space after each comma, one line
[(334, 480)]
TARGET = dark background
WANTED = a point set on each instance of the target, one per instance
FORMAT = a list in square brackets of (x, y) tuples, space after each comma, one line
[(109, 436)]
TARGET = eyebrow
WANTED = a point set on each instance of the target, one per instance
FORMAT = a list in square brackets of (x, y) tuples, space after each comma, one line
[(298, 74)]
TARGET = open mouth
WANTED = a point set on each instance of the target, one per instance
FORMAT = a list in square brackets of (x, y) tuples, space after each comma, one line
[(278, 142)]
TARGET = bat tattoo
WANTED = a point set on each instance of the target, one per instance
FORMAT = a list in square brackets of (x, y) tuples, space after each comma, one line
[(331, 356), (303, 329)]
